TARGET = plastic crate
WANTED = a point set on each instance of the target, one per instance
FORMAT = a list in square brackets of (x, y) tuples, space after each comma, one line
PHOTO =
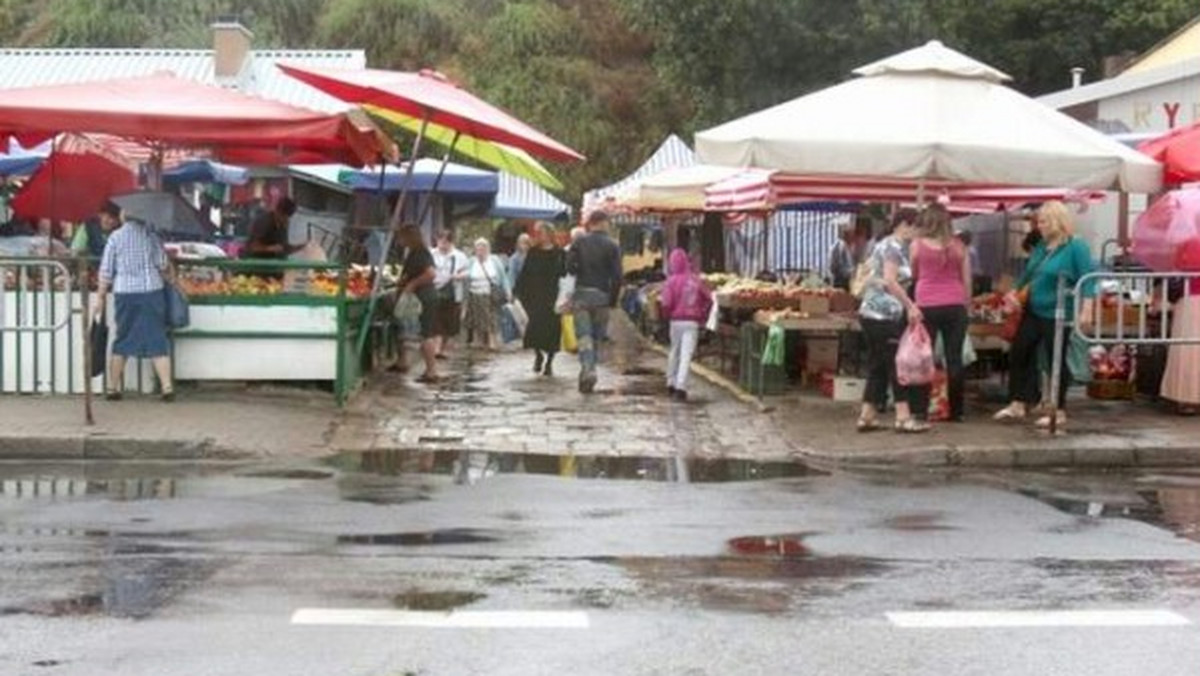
[(753, 377)]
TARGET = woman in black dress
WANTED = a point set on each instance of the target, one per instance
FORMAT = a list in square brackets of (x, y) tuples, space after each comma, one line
[(537, 289)]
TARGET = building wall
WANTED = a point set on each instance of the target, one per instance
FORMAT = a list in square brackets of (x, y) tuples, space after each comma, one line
[(1156, 109)]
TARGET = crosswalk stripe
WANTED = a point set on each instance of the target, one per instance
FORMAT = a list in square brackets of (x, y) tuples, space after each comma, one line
[(493, 619), (1036, 618)]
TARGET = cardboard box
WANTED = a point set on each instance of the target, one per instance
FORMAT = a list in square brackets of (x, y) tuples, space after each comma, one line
[(843, 302), (848, 388), (814, 306), (821, 354)]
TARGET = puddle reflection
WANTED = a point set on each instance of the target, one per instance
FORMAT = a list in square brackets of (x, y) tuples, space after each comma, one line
[(469, 467), (52, 488)]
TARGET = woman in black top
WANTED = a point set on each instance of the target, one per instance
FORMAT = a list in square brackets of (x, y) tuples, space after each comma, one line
[(537, 289), (416, 277)]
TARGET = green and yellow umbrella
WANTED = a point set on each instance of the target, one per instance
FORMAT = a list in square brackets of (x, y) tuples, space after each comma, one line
[(495, 155)]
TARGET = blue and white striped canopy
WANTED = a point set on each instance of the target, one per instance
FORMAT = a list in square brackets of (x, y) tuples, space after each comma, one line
[(521, 198)]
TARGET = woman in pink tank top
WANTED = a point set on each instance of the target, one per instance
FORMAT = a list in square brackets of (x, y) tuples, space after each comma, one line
[(943, 272)]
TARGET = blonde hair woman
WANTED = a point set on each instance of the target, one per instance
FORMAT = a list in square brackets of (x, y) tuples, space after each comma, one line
[(1060, 254)]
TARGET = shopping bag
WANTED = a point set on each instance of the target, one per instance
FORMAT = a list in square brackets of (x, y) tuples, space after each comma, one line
[(178, 314), (569, 343), (407, 313), (566, 289), (519, 315), (714, 317), (968, 351), (774, 348), (408, 307), (509, 332), (914, 359)]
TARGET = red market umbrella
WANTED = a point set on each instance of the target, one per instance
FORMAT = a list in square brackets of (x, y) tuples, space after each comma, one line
[(72, 187), (1166, 237), (1179, 153), (163, 110), (430, 96)]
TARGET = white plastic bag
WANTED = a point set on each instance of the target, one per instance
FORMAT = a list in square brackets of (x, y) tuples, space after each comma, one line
[(408, 307), (566, 289), (300, 281), (714, 316), (914, 359), (519, 315)]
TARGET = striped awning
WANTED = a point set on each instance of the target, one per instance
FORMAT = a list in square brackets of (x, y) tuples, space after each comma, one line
[(522, 198), (759, 190), (671, 154)]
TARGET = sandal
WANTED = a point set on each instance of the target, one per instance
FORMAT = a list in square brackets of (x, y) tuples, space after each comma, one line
[(912, 426), (865, 425), (1044, 421), (427, 379), (113, 395)]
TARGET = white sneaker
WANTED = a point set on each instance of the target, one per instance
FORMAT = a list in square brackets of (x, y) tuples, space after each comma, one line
[(1010, 412)]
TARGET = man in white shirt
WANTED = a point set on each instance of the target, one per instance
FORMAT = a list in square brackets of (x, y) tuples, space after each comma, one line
[(452, 267)]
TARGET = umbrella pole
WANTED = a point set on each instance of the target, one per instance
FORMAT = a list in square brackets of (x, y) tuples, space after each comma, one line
[(389, 239), (437, 180)]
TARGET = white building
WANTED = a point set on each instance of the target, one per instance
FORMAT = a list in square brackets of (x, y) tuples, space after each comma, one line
[(1157, 92)]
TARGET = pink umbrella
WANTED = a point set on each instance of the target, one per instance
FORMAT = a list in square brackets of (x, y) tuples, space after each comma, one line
[(1167, 235)]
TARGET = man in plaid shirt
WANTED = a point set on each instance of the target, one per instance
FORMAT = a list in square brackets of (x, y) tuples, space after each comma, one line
[(135, 267)]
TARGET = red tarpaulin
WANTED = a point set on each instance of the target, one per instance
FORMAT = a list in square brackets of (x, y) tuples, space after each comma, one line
[(1179, 153), (429, 95), (72, 187), (165, 110)]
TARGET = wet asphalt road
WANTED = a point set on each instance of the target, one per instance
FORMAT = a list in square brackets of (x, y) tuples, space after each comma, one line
[(160, 569)]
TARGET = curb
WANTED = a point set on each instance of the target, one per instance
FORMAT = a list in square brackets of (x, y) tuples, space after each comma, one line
[(710, 376), (38, 448), (1013, 456)]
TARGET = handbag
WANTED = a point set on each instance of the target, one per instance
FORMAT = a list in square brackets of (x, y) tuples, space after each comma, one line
[(446, 293), (178, 312), (1012, 323), (498, 295), (98, 343)]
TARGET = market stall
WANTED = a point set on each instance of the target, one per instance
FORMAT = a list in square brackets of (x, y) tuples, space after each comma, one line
[(242, 329)]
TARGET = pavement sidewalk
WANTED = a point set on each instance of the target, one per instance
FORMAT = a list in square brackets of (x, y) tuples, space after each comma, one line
[(494, 402)]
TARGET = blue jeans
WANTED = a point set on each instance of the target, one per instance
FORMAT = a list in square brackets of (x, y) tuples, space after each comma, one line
[(591, 310)]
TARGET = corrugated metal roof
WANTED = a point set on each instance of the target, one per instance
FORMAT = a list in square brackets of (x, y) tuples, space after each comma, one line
[(37, 67)]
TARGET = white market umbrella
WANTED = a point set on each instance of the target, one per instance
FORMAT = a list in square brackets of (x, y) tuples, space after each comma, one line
[(929, 113)]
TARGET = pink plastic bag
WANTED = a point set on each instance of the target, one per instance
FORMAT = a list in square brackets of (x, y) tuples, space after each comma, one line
[(914, 359)]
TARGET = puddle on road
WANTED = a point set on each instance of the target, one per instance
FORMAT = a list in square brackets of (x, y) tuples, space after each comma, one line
[(415, 599), (760, 584), (770, 545), (295, 474), (452, 536), (124, 585), (680, 470)]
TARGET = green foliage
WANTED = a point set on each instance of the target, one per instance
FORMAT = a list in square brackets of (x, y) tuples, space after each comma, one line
[(613, 77)]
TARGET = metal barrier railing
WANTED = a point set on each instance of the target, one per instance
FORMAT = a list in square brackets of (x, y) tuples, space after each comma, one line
[(1148, 295), (43, 321)]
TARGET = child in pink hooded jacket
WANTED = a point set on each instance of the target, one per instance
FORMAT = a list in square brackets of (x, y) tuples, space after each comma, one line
[(686, 302)]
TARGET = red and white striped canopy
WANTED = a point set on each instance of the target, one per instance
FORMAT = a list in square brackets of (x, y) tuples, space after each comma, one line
[(760, 190)]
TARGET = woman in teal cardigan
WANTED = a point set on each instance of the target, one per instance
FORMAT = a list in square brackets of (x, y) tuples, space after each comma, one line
[(1059, 254)]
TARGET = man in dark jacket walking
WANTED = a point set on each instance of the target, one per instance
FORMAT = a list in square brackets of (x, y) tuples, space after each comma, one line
[(595, 261)]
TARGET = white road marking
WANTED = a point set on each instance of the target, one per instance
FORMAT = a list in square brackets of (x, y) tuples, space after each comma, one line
[(1036, 618), (480, 619)]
